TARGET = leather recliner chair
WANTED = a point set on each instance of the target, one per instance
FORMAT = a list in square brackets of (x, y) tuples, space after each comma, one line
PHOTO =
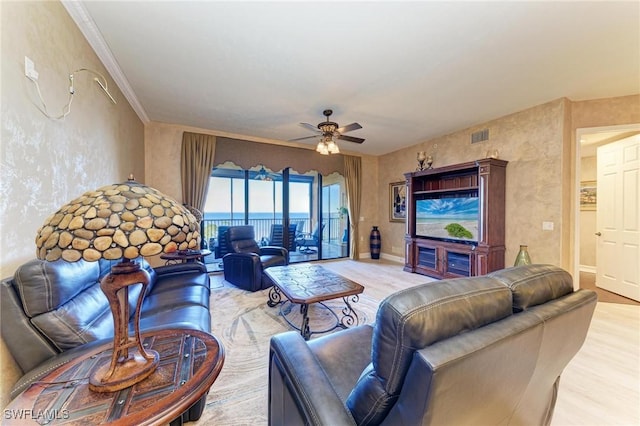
[(246, 261), (486, 350)]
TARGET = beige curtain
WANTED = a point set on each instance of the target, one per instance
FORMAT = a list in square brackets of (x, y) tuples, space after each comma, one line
[(353, 181), (198, 153)]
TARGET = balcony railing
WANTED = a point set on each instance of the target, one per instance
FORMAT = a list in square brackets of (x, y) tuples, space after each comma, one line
[(333, 230)]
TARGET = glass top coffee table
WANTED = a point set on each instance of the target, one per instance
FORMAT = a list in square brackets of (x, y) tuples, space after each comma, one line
[(307, 283)]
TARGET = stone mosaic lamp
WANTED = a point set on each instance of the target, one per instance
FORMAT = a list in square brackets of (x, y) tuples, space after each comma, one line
[(119, 222)]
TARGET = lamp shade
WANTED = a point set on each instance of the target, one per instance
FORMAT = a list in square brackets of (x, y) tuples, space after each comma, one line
[(124, 220)]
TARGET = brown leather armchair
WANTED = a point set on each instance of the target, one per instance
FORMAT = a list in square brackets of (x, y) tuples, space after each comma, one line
[(245, 261)]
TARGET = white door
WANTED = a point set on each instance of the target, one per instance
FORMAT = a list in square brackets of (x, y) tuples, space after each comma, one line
[(618, 218)]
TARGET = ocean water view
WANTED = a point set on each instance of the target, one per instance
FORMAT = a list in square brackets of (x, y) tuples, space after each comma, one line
[(264, 215)]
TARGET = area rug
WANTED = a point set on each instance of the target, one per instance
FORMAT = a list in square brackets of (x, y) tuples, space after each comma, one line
[(244, 324)]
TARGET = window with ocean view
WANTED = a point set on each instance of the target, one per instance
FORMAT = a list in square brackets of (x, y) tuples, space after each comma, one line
[(263, 198)]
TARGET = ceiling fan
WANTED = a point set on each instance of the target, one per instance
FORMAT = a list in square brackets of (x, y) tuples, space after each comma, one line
[(328, 130)]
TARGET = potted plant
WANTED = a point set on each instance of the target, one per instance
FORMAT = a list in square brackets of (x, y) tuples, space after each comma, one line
[(342, 212)]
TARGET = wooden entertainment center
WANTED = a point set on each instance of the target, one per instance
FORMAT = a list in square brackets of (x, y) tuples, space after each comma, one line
[(458, 256)]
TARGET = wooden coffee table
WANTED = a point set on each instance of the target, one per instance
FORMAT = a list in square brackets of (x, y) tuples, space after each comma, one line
[(190, 361), (307, 283)]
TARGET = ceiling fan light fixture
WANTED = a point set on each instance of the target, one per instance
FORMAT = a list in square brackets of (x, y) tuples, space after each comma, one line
[(328, 131), (322, 148), (332, 147)]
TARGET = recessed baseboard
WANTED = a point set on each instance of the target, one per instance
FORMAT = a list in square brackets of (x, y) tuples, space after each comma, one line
[(587, 268), (393, 258), (390, 257)]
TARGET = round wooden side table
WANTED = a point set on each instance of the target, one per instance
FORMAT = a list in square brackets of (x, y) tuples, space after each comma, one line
[(185, 256), (190, 361)]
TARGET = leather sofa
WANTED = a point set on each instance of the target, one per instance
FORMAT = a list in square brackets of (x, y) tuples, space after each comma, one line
[(473, 351), (53, 310), (245, 261)]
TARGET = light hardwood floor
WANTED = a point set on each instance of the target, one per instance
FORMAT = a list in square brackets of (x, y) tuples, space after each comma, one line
[(600, 386)]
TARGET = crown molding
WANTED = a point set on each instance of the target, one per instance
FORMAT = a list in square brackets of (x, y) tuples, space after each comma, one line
[(88, 27)]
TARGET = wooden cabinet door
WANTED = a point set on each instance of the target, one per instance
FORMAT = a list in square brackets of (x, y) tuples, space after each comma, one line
[(458, 263)]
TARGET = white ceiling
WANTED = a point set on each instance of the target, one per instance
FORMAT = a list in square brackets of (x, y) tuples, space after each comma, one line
[(406, 71)]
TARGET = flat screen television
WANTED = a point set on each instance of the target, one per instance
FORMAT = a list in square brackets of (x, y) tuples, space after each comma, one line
[(448, 218)]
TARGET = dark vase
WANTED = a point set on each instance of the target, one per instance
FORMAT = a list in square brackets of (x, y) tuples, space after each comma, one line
[(375, 243)]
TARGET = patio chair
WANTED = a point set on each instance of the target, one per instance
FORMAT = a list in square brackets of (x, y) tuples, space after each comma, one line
[(276, 237), (306, 241)]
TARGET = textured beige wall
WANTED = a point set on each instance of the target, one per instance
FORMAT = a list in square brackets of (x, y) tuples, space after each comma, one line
[(370, 202), (532, 142), (605, 112), (163, 144), (47, 162)]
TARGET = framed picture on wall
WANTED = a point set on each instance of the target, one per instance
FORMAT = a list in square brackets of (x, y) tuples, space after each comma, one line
[(588, 195), (397, 202)]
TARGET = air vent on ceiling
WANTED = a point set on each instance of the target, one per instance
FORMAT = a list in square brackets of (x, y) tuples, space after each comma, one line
[(480, 136)]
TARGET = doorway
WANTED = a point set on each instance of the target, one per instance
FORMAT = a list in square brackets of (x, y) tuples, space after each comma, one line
[(588, 244)]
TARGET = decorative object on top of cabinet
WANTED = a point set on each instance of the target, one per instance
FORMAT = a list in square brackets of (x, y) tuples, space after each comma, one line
[(472, 242), (397, 202), (523, 257), (492, 153), (423, 159)]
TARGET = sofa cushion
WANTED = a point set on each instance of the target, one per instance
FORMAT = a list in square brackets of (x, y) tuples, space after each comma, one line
[(242, 239), (44, 286), (84, 318), (64, 300), (534, 284), (245, 246), (416, 318)]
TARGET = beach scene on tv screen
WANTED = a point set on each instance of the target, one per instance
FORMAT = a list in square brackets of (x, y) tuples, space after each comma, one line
[(448, 218)]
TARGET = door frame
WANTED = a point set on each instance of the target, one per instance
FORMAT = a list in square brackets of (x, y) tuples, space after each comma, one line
[(580, 132)]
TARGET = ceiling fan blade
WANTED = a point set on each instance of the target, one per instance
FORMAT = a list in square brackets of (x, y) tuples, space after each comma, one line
[(349, 128), (306, 137), (351, 139), (310, 127)]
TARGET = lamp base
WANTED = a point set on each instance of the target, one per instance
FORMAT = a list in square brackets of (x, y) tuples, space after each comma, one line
[(127, 372), (130, 361)]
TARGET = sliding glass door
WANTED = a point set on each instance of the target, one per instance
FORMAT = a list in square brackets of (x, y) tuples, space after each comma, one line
[(296, 211), (335, 235), (264, 206)]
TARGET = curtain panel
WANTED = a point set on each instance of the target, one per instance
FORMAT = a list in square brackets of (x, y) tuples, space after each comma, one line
[(353, 183), (197, 160)]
